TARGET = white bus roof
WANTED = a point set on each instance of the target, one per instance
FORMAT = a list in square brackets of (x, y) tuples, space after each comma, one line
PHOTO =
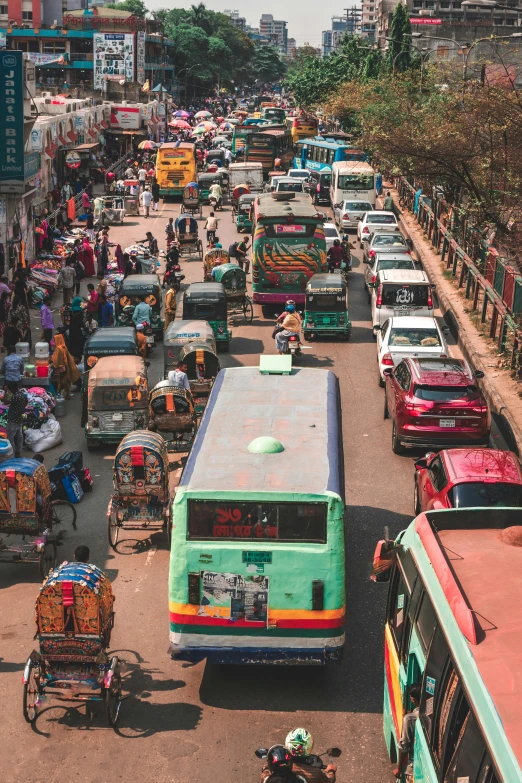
[(352, 166)]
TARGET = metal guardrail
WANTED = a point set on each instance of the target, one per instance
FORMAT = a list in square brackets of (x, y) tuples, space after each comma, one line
[(493, 287)]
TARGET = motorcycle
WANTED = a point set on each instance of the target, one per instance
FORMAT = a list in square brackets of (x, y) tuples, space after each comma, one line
[(314, 760), (215, 203), (173, 275)]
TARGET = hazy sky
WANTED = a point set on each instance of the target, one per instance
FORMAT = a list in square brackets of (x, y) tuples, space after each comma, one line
[(306, 18)]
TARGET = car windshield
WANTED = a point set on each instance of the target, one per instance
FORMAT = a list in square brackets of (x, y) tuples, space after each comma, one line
[(476, 494), (399, 263), (358, 206), (388, 240), (427, 338), (385, 220), (291, 187), (330, 231), (446, 393), (402, 295)]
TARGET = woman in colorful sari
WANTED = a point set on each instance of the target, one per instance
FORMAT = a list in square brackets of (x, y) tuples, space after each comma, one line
[(86, 256), (65, 369)]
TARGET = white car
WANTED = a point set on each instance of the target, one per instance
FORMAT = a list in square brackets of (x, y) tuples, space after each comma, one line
[(330, 234), (347, 214), (289, 185), (378, 220), (409, 336), (385, 261), (299, 174)]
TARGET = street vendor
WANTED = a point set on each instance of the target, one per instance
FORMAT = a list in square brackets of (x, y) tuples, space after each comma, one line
[(142, 341), (170, 305)]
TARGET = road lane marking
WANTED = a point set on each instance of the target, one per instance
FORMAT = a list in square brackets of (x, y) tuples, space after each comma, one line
[(148, 561)]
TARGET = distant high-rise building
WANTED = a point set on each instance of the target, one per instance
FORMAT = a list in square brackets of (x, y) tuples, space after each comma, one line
[(276, 31), (238, 20), (292, 47), (332, 38)]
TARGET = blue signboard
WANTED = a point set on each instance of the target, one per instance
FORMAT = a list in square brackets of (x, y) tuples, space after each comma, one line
[(12, 175), (31, 165)]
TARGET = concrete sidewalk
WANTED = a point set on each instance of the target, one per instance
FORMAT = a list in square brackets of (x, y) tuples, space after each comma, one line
[(501, 391)]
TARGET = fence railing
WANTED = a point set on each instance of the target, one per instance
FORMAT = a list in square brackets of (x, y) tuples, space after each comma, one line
[(493, 288)]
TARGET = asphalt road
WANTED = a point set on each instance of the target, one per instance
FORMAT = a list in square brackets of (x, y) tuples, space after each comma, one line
[(186, 723)]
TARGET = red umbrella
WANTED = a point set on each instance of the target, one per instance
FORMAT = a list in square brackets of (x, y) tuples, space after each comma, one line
[(181, 124)]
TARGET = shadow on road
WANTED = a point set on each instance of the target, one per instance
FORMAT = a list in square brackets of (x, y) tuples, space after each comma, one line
[(355, 685)]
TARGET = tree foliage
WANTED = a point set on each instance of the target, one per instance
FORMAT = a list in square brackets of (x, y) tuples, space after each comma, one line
[(266, 65), (399, 44), (136, 7)]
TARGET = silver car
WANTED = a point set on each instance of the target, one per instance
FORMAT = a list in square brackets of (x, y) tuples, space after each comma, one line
[(348, 213), (385, 261), (384, 242)]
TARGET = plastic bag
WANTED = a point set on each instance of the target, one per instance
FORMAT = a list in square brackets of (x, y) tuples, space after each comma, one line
[(49, 435)]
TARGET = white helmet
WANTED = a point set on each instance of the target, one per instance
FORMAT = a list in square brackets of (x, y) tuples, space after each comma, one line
[(299, 742)]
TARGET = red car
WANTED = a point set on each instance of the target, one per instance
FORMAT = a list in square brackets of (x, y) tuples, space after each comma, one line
[(435, 403), (467, 478)]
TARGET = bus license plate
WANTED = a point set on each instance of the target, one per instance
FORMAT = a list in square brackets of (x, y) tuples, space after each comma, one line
[(447, 422), (117, 416)]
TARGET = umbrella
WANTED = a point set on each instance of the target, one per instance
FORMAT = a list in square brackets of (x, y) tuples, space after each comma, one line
[(199, 131), (207, 125), (220, 119), (182, 114), (202, 114), (226, 126), (147, 145), (181, 124)]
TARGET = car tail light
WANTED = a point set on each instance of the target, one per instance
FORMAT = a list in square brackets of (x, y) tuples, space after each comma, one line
[(378, 302), (318, 189), (366, 230), (371, 253), (443, 356), (387, 360), (430, 298), (346, 216), (374, 278)]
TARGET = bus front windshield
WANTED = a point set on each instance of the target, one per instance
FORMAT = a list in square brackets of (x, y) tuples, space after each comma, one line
[(356, 182)]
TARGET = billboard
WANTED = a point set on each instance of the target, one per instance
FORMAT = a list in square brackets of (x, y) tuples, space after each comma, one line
[(113, 58), (140, 57), (12, 176), (126, 117)]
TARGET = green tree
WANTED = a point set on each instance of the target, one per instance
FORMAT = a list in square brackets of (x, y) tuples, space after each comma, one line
[(266, 65), (136, 7), (400, 39)]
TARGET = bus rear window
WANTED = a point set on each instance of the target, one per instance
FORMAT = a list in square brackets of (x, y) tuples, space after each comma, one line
[(303, 522), (356, 182)]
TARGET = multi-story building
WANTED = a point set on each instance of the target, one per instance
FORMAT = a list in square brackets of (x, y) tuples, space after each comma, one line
[(68, 52), (238, 20), (332, 38), (368, 23), (292, 47), (276, 31)]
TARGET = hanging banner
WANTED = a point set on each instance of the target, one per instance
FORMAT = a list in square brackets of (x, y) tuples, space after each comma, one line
[(35, 142), (78, 123), (31, 165), (140, 57), (113, 58), (44, 59), (12, 179)]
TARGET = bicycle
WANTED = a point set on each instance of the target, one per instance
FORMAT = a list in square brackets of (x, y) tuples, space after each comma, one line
[(64, 512)]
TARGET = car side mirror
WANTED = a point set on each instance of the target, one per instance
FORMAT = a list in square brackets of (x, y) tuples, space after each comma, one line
[(337, 206), (261, 753), (421, 463), (376, 329), (366, 261), (478, 374), (387, 371)]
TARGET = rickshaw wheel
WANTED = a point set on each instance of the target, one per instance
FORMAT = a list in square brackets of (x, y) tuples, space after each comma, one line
[(47, 560), (200, 249), (248, 309), (113, 695), (31, 695), (63, 513), (168, 528), (113, 530)]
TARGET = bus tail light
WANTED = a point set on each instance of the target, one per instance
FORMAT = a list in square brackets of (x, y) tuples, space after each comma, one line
[(193, 588), (378, 301), (317, 595)]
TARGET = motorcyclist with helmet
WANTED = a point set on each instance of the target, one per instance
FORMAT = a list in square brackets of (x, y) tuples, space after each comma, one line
[(291, 325), (299, 743), (335, 256), (278, 767), (347, 251)]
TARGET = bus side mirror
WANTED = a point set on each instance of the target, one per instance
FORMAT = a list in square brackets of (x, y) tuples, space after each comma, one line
[(383, 560)]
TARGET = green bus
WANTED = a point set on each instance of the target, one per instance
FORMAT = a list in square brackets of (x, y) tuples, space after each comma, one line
[(257, 570), (268, 145), (454, 632), (288, 248)]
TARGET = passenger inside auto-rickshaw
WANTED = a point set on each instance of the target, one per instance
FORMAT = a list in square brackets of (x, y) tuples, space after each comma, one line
[(74, 620), (213, 258), (216, 157), (326, 310), (181, 333), (186, 229), (190, 200), (129, 296), (202, 369), (117, 399), (172, 410), (25, 510), (141, 496), (244, 212), (233, 279), (208, 302)]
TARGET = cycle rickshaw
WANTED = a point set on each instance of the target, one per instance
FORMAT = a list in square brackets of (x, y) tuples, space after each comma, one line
[(239, 190), (233, 279), (190, 203), (214, 257), (186, 229)]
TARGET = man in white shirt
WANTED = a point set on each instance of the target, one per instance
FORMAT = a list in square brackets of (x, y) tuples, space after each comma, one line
[(178, 377), (211, 226), (146, 201), (142, 176)]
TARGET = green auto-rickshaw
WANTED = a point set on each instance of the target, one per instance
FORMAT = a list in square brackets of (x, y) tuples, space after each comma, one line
[(326, 309), (244, 212), (131, 289), (208, 302)]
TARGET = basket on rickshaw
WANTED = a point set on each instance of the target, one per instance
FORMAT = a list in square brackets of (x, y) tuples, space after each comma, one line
[(74, 619), (239, 190), (233, 279), (190, 200), (214, 257), (186, 229), (172, 409)]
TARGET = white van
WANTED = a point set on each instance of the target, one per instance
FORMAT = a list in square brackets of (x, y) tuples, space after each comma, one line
[(401, 292), (352, 180)]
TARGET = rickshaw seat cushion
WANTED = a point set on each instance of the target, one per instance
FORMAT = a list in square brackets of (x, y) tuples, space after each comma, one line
[(137, 455), (64, 646), (169, 401), (67, 594)]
